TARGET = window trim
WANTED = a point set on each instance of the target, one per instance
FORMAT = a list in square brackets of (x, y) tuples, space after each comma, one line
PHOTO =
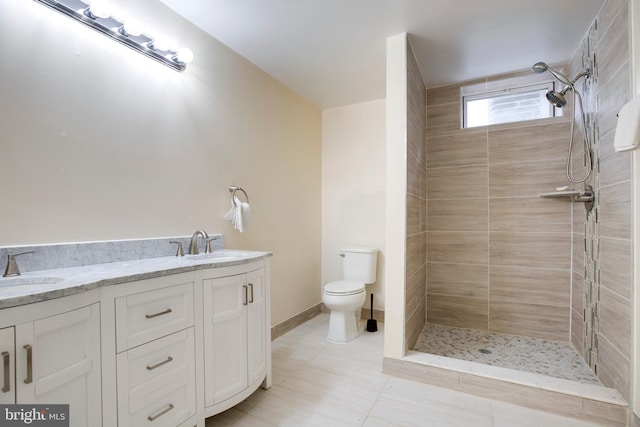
[(507, 90)]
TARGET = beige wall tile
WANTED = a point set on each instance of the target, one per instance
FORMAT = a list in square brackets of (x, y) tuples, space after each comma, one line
[(457, 247), (526, 179), (613, 45), (612, 95), (615, 211), (532, 214), (577, 332), (530, 143), (578, 217), (542, 250), (413, 328), (578, 253), (616, 266), (614, 167), (608, 14), (458, 215), (533, 320), (533, 285), (415, 211), (416, 292), (461, 149), (446, 94), (577, 291), (443, 119), (457, 182), (463, 280), (416, 177), (614, 370), (460, 312), (416, 253), (615, 320)]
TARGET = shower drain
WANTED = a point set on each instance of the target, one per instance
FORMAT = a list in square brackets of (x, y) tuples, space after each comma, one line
[(484, 351)]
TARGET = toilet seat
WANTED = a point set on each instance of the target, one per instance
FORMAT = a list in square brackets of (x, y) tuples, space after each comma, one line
[(344, 287)]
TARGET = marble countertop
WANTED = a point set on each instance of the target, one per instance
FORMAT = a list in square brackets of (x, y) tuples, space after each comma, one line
[(43, 285)]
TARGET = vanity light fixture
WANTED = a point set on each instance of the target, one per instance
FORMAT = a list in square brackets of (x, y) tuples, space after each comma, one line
[(97, 14)]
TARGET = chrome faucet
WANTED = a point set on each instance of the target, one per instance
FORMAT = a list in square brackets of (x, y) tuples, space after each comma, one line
[(193, 246), (12, 266)]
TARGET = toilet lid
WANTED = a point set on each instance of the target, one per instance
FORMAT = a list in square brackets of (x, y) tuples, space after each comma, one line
[(344, 287)]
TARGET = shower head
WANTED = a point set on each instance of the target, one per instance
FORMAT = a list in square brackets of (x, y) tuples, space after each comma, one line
[(556, 98), (541, 67)]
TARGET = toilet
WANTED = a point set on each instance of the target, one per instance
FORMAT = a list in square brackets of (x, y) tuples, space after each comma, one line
[(345, 297)]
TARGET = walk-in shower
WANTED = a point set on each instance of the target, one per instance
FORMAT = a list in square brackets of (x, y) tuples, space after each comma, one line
[(557, 98)]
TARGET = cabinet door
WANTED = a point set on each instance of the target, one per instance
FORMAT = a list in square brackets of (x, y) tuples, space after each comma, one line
[(7, 367), (256, 328), (58, 361), (225, 338)]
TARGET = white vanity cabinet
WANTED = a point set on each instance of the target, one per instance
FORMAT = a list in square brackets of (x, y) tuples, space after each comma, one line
[(55, 360), (236, 338), (155, 342)]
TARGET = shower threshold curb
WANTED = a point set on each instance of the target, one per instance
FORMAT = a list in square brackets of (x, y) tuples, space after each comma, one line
[(587, 391), (564, 397)]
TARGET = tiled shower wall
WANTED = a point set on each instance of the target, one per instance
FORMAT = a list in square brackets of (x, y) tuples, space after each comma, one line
[(498, 256), (605, 269), (416, 203)]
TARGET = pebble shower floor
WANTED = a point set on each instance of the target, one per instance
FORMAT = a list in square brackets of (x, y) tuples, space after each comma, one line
[(540, 356)]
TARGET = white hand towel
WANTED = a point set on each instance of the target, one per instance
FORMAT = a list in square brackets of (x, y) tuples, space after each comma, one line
[(239, 215)]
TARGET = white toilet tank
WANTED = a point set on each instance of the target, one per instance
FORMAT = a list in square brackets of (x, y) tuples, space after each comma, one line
[(359, 264)]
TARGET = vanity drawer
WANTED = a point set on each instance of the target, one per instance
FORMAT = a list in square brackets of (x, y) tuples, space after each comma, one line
[(149, 315), (157, 381)]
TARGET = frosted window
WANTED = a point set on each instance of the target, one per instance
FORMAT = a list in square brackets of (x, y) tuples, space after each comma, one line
[(506, 106)]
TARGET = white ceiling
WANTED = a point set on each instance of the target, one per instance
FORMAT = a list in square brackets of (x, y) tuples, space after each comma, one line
[(332, 52)]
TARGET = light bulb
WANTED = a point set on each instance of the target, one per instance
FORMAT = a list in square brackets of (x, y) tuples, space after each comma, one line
[(184, 55), (160, 42), (132, 27), (100, 9)]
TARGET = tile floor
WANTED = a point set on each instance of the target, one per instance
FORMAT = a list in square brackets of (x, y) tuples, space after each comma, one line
[(536, 355), (317, 383)]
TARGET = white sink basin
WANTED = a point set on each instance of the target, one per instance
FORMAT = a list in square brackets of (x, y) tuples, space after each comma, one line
[(33, 280)]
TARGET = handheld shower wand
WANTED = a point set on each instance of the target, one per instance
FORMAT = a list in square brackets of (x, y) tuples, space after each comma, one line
[(558, 100)]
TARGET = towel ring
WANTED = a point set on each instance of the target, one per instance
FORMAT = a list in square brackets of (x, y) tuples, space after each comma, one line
[(233, 190)]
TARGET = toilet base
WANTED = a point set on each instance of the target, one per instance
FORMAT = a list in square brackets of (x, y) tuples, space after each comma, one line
[(344, 326)]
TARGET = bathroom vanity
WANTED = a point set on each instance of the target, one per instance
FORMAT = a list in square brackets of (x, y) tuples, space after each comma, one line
[(165, 341)]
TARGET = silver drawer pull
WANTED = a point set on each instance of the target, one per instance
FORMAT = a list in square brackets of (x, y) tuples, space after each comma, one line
[(29, 378), (151, 316), (157, 365), (7, 380), (246, 295), (159, 414), (251, 290)]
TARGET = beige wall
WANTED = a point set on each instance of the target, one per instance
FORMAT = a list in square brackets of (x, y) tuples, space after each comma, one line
[(498, 255), (99, 142), (353, 187)]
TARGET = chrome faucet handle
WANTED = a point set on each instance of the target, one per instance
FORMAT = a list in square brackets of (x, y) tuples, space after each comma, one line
[(180, 251), (193, 246), (12, 266), (208, 249)]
